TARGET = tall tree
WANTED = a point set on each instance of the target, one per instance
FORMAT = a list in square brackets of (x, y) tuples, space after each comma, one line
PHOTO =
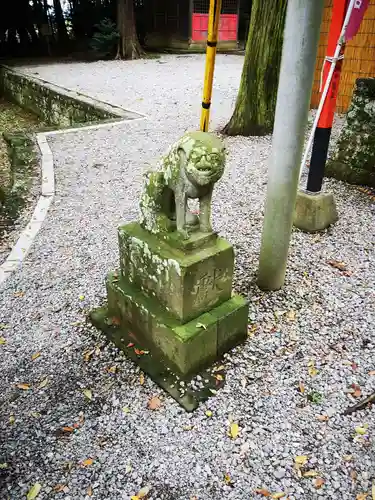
[(256, 101), (128, 44), (62, 33)]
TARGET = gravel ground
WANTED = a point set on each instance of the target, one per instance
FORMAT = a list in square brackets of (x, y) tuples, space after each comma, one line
[(308, 343)]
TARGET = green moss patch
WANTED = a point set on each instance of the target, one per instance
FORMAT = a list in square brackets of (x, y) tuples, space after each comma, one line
[(17, 159)]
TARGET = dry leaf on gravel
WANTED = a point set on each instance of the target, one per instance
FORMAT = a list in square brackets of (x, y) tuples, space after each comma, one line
[(291, 315), (362, 496), (68, 429), (154, 403), (89, 491), (2, 341), (59, 488), (24, 387), (35, 356), (356, 393), (310, 473), (341, 266), (208, 413), (311, 368), (87, 355), (34, 491), (43, 383), (301, 388), (263, 492), (278, 495), (142, 493), (318, 483), (322, 418), (87, 393), (141, 379), (301, 460), (87, 462)]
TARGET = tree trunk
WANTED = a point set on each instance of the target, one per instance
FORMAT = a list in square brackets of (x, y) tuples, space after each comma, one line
[(128, 44), (62, 34), (256, 100)]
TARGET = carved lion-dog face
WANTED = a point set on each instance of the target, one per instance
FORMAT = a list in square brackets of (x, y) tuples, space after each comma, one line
[(203, 158)]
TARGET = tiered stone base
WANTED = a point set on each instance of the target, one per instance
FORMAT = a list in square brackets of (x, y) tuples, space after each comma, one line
[(173, 300)]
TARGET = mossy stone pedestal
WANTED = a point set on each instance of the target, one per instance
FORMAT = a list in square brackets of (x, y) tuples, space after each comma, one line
[(174, 299)]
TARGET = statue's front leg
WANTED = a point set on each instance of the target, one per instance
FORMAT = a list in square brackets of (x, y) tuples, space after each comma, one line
[(181, 206), (205, 212)]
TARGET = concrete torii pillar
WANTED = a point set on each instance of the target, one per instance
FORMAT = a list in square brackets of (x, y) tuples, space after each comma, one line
[(301, 37)]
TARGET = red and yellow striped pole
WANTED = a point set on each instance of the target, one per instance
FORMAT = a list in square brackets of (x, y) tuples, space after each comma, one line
[(212, 37)]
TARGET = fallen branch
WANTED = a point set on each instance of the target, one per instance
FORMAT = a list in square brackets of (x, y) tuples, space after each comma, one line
[(360, 405)]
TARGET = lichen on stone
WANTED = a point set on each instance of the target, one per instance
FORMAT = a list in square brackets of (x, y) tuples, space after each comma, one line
[(354, 157)]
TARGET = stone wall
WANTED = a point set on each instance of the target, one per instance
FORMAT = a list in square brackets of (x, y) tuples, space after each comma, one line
[(354, 158), (53, 104)]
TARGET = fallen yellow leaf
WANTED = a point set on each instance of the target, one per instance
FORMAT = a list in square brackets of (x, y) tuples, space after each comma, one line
[(2, 341), (89, 491), (233, 431), (310, 473), (373, 490), (318, 483), (208, 413), (141, 379), (87, 355), (311, 368), (35, 356), (125, 409), (281, 494), (219, 377), (24, 387), (301, 388), (12, 419), (361, 496), (301, 459), (87, 393), (143, 491), (34, 491), (227, 478), (347, 458), (87, 462), (361, 430), (19, 294), (291, 315), (43, 383), (219, 368), (81, 297)]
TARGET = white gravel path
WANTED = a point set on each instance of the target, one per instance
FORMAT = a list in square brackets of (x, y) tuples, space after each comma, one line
[(321, 316)]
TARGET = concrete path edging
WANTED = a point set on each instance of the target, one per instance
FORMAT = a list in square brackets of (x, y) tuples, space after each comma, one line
[(21, 248)]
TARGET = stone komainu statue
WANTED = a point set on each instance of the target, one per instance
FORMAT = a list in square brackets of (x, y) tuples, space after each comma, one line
[(189, 170)]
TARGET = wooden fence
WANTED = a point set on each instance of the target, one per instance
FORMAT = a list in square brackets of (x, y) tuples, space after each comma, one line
[(359, 59)]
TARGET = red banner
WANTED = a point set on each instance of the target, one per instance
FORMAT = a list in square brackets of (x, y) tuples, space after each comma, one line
[(356, 17)]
